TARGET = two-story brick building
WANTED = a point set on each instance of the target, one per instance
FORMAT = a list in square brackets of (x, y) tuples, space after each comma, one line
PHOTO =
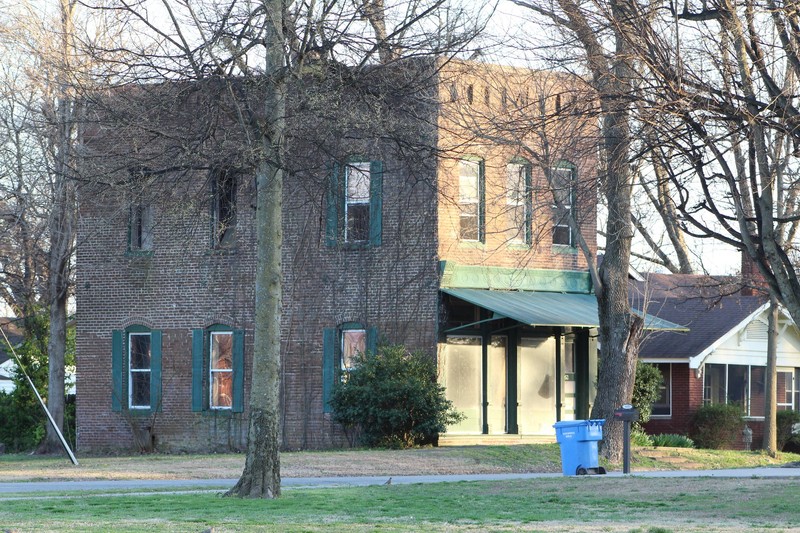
[(410, 218)]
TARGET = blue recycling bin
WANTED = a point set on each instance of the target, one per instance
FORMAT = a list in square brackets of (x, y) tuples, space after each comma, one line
[(578, 441)]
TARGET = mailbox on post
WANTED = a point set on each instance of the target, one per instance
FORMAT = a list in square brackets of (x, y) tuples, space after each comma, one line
[(626, 414)]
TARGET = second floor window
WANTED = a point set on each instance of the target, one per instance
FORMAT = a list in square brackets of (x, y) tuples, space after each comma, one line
[(518, 202), (562, 181), (355, 204), (140, 228), (470, 200), (223, 208)]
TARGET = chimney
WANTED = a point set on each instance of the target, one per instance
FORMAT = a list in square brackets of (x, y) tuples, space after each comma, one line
[(753, 281)]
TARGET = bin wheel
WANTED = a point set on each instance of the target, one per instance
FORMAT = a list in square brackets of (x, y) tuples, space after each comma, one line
[(601, 470), (581, 471)]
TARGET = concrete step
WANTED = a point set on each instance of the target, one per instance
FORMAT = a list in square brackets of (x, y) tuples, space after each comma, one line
[(494, 440)]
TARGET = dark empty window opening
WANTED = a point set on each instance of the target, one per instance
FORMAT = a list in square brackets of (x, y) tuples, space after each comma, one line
[(224, 207), (470, 94), (141, 228)]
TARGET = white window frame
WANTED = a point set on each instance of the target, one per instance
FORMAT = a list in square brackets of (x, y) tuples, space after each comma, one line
[(364, 168), (468, 200), (563, 212), (791, 389), (749, 391), (342, 362), (132, 370), (516, 198), (212, 371)]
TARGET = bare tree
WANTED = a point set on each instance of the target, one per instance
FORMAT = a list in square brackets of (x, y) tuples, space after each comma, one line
[(248, 54), (44, 146), (719, 91), (594, 37)]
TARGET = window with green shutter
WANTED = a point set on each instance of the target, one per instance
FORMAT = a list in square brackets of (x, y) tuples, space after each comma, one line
[(340, 345), (354, 204), (136, 364), (218, 369)]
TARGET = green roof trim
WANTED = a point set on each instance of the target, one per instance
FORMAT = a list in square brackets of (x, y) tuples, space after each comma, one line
[(456, 276), (546, 308)]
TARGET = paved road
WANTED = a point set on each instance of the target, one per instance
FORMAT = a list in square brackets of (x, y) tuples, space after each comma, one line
[(287, 483)]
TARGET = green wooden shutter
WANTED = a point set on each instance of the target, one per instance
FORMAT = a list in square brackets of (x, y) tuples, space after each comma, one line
[(238, 371), (481, 202), (116, 370), (198, 353), (372, 341), (328, 367), (375, 202), (155, 370), (332, 206)]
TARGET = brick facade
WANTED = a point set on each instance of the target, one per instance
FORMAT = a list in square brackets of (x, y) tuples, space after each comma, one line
[(186, 283)]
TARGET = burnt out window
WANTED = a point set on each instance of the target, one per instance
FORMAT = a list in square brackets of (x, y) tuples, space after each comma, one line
[(223, 208)]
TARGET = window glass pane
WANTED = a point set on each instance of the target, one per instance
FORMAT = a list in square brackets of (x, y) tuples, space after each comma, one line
[(221, 351), (714, 391), (358, 182), (562, 186), (354, 341), (469, 222), (562, 235), (737, 385), (140, 351), (357, 222), (469, 174), (224, 191), (757, 390), (662, 406), (516, 183), (222, 389), (785, 392), (140, 388)]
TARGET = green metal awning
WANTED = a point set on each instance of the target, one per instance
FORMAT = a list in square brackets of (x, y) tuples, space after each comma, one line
[(547, 308)]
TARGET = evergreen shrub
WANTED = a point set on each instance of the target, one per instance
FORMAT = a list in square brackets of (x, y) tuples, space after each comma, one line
[(393, 399), (717, 426)]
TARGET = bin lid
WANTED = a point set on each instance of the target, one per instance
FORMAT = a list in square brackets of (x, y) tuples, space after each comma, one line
[(579, 423)]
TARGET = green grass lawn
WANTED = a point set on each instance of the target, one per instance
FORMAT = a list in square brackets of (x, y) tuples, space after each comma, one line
[(646, 505)]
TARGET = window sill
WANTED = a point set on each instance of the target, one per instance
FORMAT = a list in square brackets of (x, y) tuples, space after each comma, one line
[(519, 246), (140, 412), (564, 249), (660, 417), (221, 413), (139, 254), (471, 245), (223, 250)]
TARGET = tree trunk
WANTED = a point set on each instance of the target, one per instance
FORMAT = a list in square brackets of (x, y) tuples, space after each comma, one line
[(620, 330), (261, 477), (62, 234), (770, 408)]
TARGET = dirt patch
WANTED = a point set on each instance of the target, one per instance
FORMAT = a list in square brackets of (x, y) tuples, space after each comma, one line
[(450, 460)]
